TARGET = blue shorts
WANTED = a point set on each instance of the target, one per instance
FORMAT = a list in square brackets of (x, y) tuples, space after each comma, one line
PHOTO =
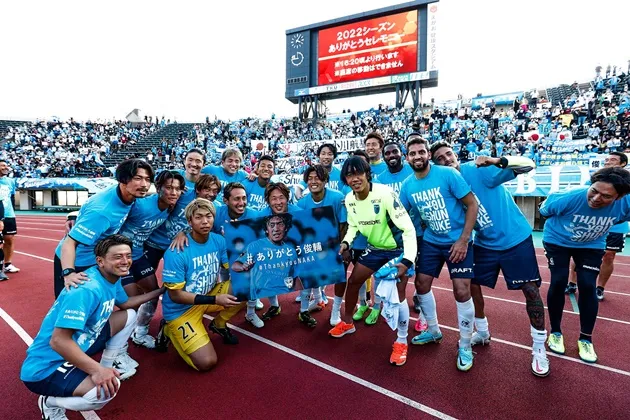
[(518, 265), (153, 255), (140, 269), (67, 377), (434, 256), (374, 258)]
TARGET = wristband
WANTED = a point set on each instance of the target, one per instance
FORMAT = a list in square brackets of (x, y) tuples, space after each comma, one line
[(406, 263), (205, 300), (67, 272)]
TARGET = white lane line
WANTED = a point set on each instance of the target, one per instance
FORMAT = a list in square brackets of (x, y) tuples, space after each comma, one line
[(574, 303), (49, 230), (89, 415), (33, 256), (386, 392), (524, 347), (607, 291), (615, 263), (41, 239), (41, 223)]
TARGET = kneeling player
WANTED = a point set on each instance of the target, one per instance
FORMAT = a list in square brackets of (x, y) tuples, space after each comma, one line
[(191, 279), (80, 324)]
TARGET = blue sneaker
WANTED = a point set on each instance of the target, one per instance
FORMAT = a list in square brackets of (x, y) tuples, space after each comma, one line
[(464, 359), (426, 337)]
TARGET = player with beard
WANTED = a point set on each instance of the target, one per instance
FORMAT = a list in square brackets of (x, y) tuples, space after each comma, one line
[(374, 148), (7, 196), (578, 221), (230, 169), (147, 215), (255, 189), (326, 153), (445, 203), (375, 211), (503, 242)]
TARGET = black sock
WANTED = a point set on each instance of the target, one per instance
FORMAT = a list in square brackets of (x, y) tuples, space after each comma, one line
[(6, 263), (600, 288), (586, 337)]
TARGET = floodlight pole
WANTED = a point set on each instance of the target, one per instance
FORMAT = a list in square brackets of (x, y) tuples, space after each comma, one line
[(404, 89), (310, 107)]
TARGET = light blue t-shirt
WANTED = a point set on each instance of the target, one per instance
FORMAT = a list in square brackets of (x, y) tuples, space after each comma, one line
[(573, 224), (255, 195), (274, 267), (85, 309), (144, 218), (436, 198), (620, 228), (224, 177), (360, 241), (222, 218), (102, 215), (331, 198), (378, 168), (394, 180), (163, 235), (334, 181), (500, 223), (7, 189), (195, 269)]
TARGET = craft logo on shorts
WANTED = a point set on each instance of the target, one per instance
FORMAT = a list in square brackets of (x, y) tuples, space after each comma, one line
[(288, 282)]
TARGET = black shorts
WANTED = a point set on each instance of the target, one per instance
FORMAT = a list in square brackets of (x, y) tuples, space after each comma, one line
[(153, 255), (58, 280), (10, 226), (615, 241), (67, 377), (140, 269)]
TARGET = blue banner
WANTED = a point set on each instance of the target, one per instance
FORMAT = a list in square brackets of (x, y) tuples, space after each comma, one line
[(502, 99), (279, 254), (92, 185)]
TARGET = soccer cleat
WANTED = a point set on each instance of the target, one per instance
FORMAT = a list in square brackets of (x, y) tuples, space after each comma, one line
[(314, 306), (360, 313), (271, 312), (306, 319), (259, 305), (479, 339), (255, 320), (3, 276), (416, 304), (225, 333), (372, 318), (540, 364), (141, 337), (587, 351), (335, 317), (426, 337), (570, 289), (125, 366), (11, 269), (50, 413), (399, 354), (162, 340), (600, 294), (341, 329), (555, 342), (421, 324), (464, 359)]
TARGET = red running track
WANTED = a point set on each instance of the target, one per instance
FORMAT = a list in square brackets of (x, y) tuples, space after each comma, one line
[(288, 371)]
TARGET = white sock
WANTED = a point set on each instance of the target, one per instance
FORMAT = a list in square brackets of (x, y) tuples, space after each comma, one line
[(465, 319), (88, 402), (363, 295), (377, 299), (482, 326), (305, 294), (251, 308), (403, 323), (118, 342), (539, 338), (337, 303), (427, 303), (317, 294), (273, 301)]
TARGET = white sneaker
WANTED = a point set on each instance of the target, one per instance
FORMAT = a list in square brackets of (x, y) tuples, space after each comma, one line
[(125, 365), (11, 269), (479, 340), (540, 364), (50, 413), (140, 337), (255, 320), (335, 317), (259, 305), (298, 298)]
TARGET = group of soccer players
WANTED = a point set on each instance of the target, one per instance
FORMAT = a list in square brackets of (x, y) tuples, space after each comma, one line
[(400, 220)]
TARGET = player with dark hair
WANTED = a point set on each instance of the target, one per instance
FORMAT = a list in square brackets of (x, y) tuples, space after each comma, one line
[(265, 168), (229, 171), (147, 215), (503, 242), (578, 221), (7, 196), (374, 144), (442, 199), (80, 324), (208, 187), (191, 278), (615, 240), (326, 154), (375, 211)]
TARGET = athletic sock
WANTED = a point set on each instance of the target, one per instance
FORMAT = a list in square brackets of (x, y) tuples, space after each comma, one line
[(251, 308), (539, 337), (7, 263), (377, 299), (117, 344), (317, 294), (273, 301), (337, 303), (586, 337), (427, 303), (600, 288), (304, 294), (403, 323), (465, 318), (363, 295), (145, 314), (482, 326)]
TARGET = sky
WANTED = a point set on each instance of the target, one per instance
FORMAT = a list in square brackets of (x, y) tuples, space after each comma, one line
[(192, 59)]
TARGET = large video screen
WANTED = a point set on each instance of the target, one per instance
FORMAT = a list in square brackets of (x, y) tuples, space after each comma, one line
[(370, 48)]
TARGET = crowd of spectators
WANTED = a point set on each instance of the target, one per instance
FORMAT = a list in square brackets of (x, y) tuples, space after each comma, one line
[(588, 123)]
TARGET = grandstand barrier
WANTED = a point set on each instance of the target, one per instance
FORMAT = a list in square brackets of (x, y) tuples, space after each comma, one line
[(57, 194)]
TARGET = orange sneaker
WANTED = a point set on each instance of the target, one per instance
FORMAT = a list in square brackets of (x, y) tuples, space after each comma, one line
[(341, 329), (399, 354)]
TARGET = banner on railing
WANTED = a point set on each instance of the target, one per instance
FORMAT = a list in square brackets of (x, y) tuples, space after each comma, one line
[(92, 185), (545, 180), (343, 145)]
